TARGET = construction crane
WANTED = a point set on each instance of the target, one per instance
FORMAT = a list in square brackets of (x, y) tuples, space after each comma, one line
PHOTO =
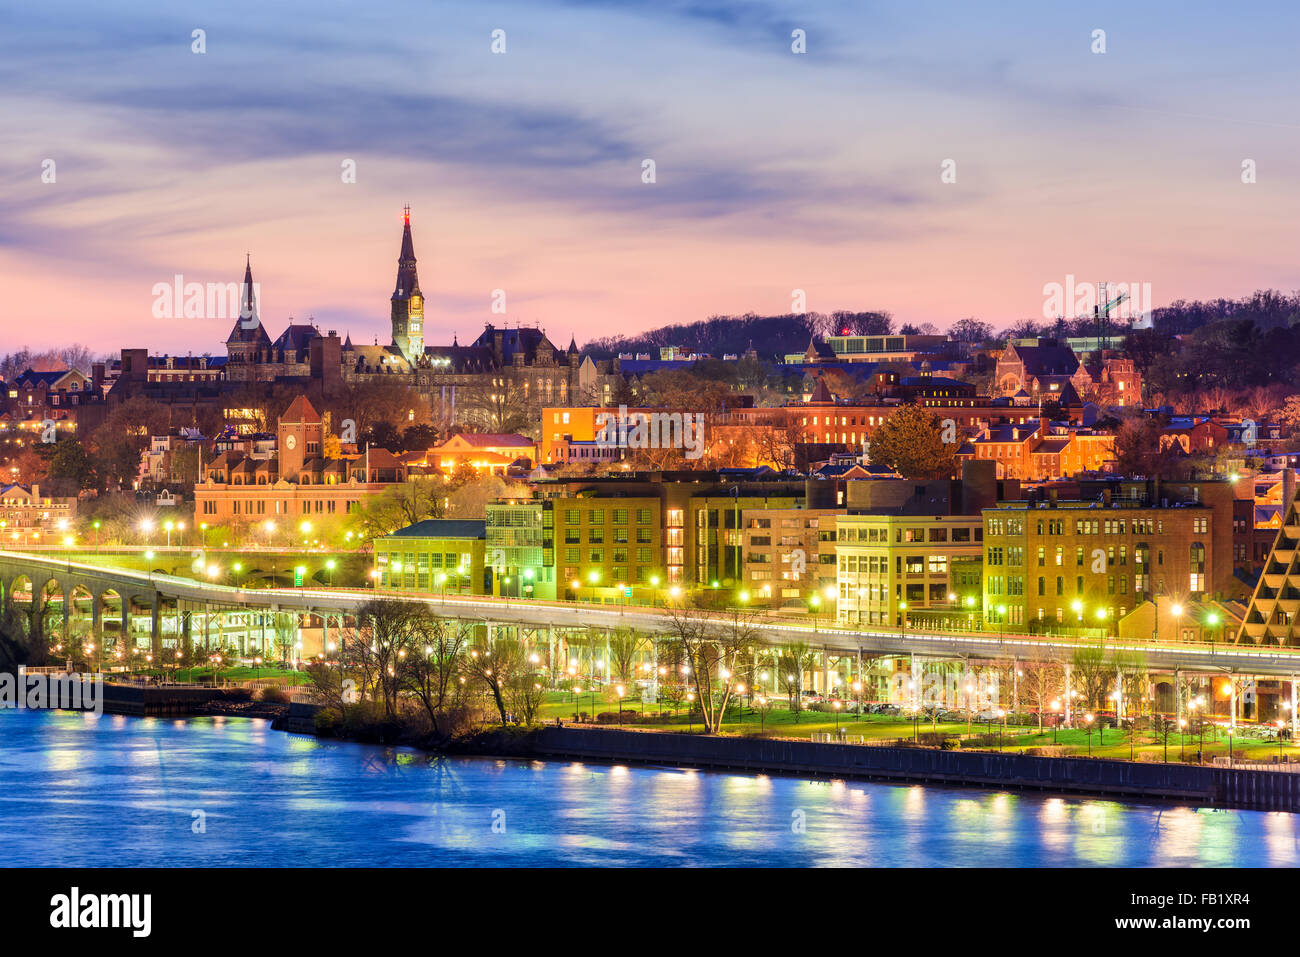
[(1101, 312)]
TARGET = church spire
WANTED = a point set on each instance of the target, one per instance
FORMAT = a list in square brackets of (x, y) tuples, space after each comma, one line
[(407, 280), (408, 303), (247, 299)]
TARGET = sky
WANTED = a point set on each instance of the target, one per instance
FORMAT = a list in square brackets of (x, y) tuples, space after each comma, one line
[(775, 171)]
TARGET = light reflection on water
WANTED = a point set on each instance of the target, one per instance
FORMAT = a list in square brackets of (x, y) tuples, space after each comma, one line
[(81, 790)]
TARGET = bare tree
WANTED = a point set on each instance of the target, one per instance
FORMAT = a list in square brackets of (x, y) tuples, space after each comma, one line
[(432, 672), (1091, 673), (1043, 682), (713, 648), (794, 659), (495, 665), (624, 646)]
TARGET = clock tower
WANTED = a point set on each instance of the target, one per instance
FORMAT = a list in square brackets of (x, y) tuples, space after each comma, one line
[(300, 438), (408, 302)]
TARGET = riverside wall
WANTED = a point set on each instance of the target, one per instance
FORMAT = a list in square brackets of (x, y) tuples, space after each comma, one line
[(1200, 785)]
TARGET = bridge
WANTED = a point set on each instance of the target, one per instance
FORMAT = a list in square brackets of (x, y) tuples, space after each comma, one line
[(160, 611)]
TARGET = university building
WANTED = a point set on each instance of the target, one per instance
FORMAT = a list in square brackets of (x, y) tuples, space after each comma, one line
[(503, 367), (296, 484)]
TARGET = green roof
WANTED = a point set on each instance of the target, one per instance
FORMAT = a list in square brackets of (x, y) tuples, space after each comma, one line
[(443, 528)]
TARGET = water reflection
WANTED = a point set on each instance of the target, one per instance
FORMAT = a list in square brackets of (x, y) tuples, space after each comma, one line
[(104, 791)]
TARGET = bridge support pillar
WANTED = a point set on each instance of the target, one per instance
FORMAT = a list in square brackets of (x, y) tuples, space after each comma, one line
[(1068, 689), (155, 627), (96, 608)]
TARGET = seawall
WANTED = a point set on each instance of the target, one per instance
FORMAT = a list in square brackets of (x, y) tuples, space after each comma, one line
[(1182, 783)]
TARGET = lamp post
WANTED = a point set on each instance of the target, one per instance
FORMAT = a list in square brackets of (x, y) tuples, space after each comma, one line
[(1003, 715), (1087, 718), (619, 690), (1056, 720), (1182, 740)]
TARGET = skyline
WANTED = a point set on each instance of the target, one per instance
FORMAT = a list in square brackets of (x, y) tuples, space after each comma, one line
[(523, 169)]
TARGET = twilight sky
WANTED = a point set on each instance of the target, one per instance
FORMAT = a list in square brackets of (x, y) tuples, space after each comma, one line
[(775, 171)]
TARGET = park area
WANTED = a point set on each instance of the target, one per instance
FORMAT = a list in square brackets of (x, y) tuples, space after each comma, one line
[(1146, 741)]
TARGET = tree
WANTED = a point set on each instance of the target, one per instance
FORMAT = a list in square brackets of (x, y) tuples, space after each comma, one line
[(525, 694), (71, 468), (1091, 673), (497, 665), (624, 646), (401, 505), (911, 441), (794, 659), (389, 632), (124, 435), (713, 648), (971, 331), (1138, 452), (496, 406), (433, 671), (1289, 414), (1043, 682)]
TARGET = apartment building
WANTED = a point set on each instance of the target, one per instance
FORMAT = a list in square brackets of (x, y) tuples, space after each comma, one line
[(889, 566), (789, 553), (1054, 563)]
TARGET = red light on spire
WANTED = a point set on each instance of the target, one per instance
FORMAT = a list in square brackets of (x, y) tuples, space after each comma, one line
[(406, 216)]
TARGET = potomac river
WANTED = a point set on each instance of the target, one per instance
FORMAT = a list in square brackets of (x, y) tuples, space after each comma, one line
[(85, 790)]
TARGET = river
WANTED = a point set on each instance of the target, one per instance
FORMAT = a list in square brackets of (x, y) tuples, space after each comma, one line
[(82, 790)]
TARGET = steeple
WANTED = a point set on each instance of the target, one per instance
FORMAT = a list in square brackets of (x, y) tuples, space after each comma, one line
[(247, 300), (407, 281), (407, 302), (248, 329)]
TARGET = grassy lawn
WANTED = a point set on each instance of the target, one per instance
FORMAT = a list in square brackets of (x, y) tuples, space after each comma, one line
[(204, 674), (779, 721)]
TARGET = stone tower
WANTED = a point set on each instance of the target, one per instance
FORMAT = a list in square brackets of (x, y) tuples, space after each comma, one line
[(408, 303)]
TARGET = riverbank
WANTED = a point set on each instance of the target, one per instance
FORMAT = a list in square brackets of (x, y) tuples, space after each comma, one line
[(1180, 783), (1200, 785)]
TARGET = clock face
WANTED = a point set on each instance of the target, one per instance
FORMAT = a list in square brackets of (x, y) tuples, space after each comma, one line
[(291, 442)]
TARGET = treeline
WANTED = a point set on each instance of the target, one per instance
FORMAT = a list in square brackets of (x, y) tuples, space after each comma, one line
[(15, 363), (771, 336)]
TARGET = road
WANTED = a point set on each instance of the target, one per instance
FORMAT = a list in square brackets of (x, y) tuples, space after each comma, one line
[(1160, 656)]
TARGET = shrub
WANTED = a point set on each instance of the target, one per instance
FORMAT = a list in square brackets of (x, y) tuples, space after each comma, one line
[(951, 744), (327, 722), (273, 695)]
